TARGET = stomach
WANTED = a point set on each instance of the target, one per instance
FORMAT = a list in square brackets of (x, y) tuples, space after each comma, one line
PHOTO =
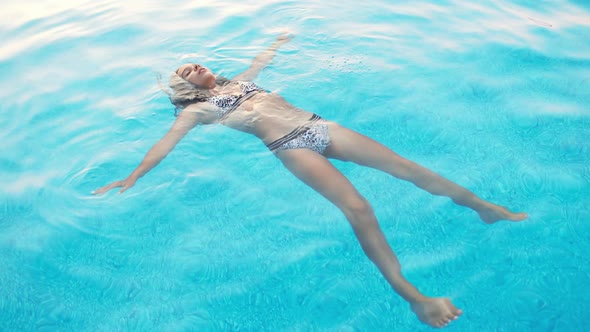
[(268, 116)]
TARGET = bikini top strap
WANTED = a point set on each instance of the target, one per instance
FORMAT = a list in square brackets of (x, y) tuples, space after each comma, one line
[(237, 103)]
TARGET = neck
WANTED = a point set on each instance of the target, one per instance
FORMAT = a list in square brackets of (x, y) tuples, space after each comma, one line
[(217, 90), (209, 92)]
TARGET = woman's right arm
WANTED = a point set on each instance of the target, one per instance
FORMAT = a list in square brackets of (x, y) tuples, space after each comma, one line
[(183, 124)]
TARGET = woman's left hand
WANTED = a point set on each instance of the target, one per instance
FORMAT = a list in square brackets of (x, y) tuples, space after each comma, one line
[(285, 37)]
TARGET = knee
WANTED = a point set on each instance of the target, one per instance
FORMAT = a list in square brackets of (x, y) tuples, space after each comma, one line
[(358, 210), (404, 169)]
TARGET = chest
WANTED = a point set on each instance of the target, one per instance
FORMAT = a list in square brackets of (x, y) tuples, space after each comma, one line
[(234, 99)]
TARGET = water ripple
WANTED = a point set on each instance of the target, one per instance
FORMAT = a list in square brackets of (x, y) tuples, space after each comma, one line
[(220, 236)]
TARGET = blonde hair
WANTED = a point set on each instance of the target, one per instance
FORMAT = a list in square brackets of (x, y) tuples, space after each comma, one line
[(183, 93)]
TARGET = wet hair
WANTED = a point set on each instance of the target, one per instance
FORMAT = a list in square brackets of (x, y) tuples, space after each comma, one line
[(183, 93)]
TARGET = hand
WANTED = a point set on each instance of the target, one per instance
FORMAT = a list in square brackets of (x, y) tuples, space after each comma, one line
[(285, 37), (124, 184)]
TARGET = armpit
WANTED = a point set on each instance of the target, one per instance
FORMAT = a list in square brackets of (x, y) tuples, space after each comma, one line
[(206, 112)]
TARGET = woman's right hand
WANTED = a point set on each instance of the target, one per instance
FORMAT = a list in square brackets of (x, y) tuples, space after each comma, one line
[(284, 37), (123, 184)]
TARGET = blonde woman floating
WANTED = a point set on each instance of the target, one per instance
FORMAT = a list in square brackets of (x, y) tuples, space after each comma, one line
[(304, 143)]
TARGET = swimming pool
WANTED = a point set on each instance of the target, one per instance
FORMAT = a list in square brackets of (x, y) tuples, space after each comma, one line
[(220, 237)]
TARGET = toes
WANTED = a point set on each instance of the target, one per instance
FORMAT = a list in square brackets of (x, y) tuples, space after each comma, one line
[(518, 216), (452, 307), (454, 310)]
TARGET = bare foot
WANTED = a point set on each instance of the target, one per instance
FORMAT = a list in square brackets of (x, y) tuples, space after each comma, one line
[(436, 312), (491, 213)]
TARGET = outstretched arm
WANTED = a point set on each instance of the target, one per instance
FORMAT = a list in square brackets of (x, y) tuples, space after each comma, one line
[(263, 59), (183, 124)]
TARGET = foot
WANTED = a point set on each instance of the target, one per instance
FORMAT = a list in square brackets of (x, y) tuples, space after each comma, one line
[(490, 213), (436, 312)]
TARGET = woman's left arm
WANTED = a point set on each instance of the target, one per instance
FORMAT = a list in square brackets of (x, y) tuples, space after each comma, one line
[(263, 59)]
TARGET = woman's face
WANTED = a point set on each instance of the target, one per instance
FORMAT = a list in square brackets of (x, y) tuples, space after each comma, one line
[(198, 75)]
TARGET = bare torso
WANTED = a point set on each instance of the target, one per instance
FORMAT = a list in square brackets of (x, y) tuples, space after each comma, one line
[(266, 115)]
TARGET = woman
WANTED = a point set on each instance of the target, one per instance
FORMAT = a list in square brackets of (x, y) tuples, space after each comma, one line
[(303, 142)]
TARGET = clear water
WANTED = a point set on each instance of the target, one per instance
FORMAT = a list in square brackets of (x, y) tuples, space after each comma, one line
[(220, 237)]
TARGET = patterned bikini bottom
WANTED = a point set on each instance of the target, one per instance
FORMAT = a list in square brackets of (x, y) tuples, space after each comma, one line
[(311, 135)]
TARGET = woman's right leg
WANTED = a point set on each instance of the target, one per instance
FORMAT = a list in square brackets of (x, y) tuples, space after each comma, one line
[(317, 172), (348, 145)]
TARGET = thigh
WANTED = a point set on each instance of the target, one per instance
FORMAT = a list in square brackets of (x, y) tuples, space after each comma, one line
[(348, 145), (318, 172)]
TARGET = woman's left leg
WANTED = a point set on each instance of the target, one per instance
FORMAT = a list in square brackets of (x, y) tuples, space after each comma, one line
[(318, 173), (348, 145)]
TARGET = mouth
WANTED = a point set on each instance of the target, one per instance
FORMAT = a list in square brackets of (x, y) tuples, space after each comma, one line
[(201, 70)]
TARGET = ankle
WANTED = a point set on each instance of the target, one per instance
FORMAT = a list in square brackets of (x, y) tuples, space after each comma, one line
[(470, 200)]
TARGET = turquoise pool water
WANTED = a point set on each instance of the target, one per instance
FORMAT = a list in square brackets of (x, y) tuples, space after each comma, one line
[(220, 237)]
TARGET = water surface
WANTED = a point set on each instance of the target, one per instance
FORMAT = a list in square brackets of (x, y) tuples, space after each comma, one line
[(220, 237)]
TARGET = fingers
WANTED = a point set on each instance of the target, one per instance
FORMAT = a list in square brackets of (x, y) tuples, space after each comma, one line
[(106, 188), (125, 187), (285, 36)]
